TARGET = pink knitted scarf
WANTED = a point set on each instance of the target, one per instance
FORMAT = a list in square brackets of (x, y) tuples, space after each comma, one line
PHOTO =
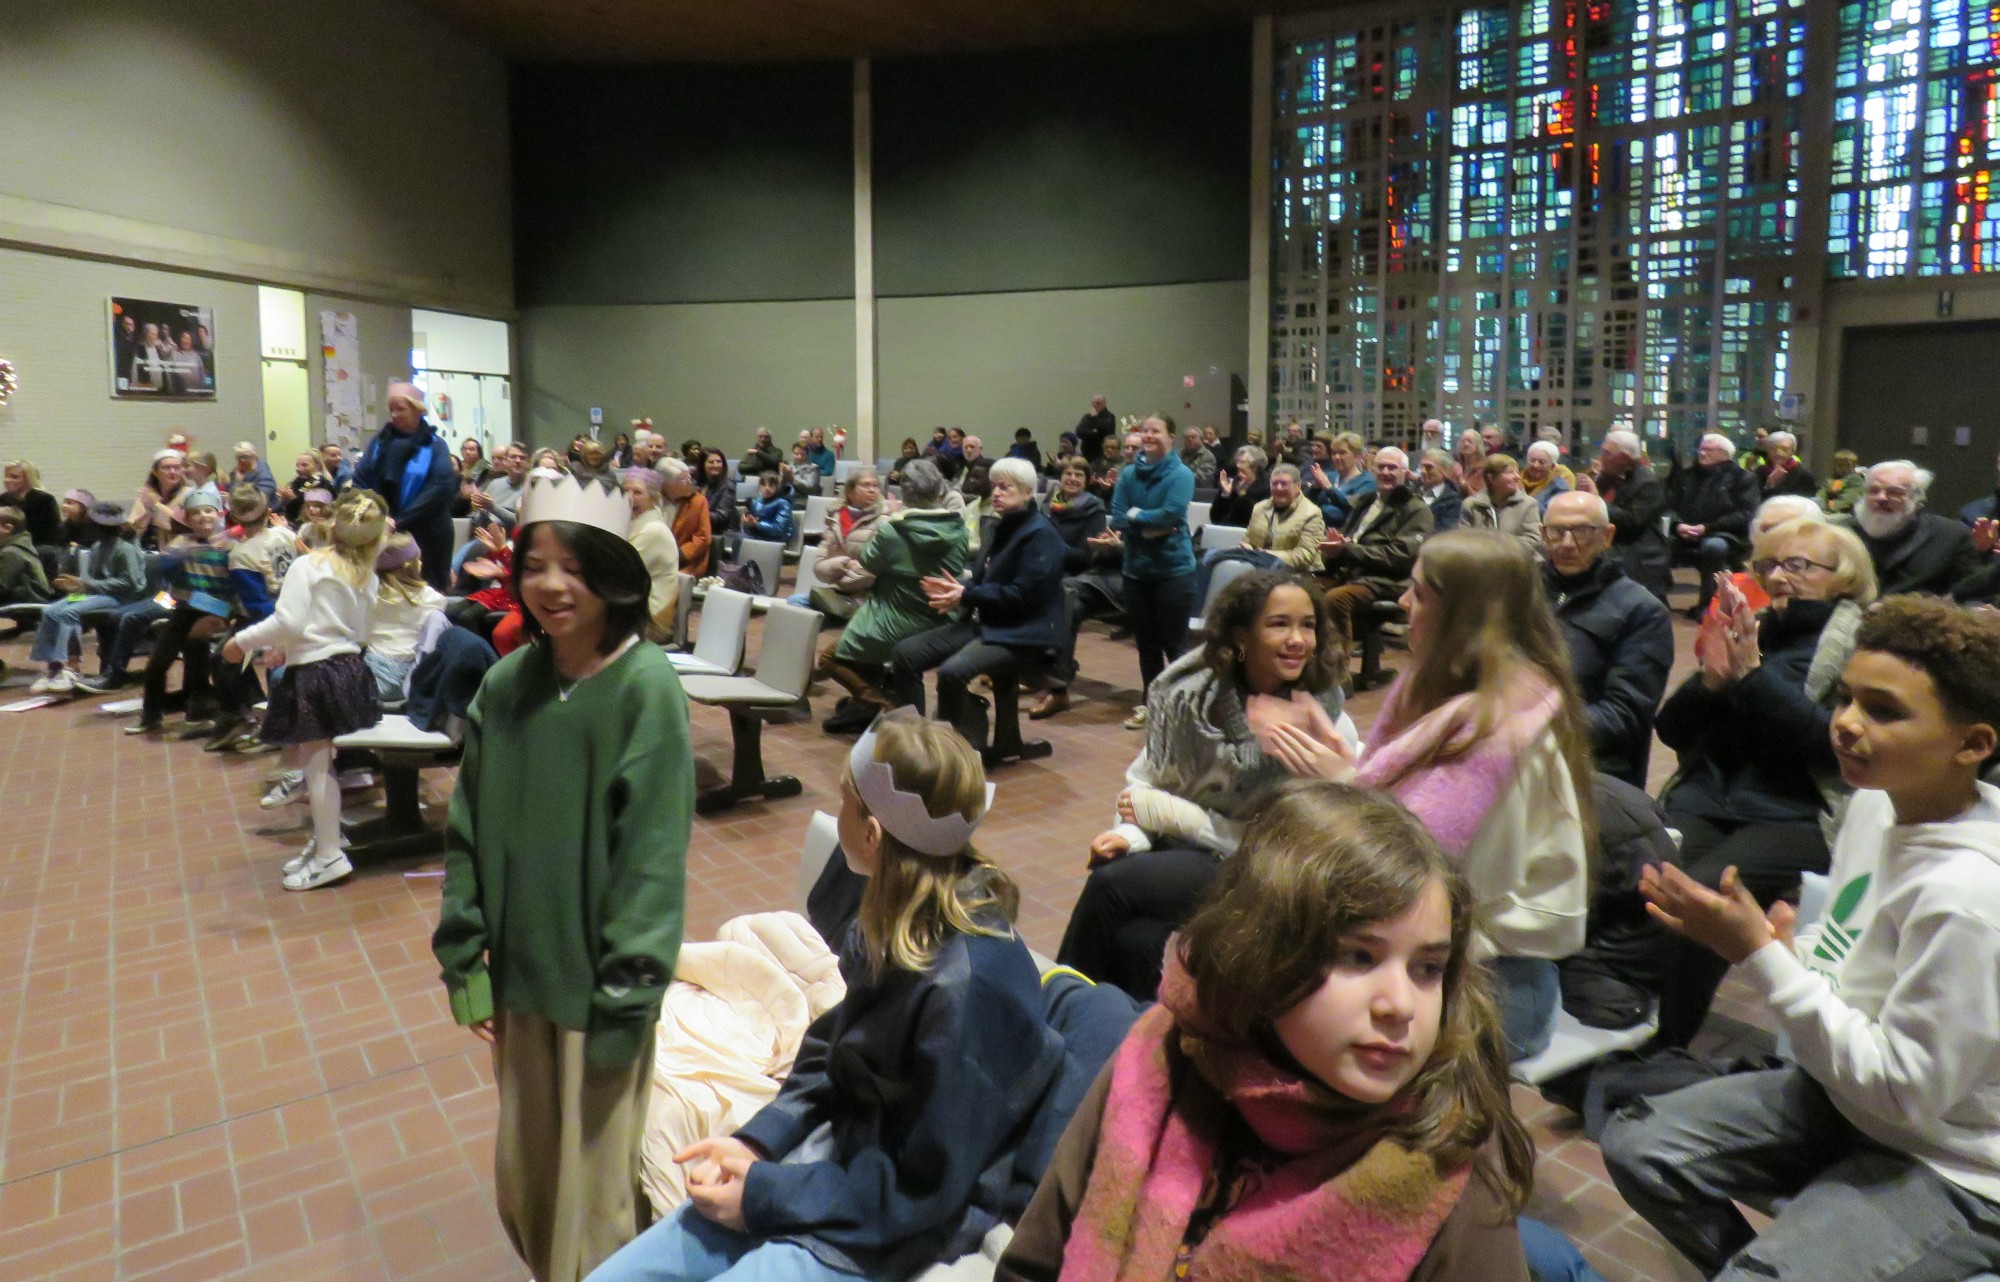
[(1342, 1203), (1453, 796)]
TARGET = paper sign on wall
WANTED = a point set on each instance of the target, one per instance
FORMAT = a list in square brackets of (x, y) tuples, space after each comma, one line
[(340, 352), (1961, 436), (1920, 436)]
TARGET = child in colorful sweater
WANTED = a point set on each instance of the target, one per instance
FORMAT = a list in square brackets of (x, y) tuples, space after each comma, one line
[(204, 595), (1321, 1093), (1882, 1142)]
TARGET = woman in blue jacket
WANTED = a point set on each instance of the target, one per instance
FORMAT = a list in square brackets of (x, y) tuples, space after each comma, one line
[(411, 468), (1009, 615), (1149, 517)]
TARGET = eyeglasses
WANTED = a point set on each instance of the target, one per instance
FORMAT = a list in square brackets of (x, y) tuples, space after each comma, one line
[(1793, 565), (1570, 533)]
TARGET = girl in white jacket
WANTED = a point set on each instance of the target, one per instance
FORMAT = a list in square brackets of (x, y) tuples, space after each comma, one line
[(321, 625), (1484, 739), (1883, 1140)]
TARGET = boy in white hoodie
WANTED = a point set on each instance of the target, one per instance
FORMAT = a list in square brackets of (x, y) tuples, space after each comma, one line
[(1883, 1140)]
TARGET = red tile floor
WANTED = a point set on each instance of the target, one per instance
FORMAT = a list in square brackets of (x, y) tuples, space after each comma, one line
[(207, 1077)]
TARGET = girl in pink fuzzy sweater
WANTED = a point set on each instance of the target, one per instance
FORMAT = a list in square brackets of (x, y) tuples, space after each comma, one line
[(1320, 1093), (1484, 739)]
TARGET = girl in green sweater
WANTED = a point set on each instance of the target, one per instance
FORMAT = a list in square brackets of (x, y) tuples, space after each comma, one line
[(565, 878)]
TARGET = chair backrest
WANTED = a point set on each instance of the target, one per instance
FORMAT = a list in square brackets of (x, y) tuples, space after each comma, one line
[(808, 558), (1221, 577), (683, 611), (461, 532), (817, 506), (735, 470), (725, 621), (1197, 516), (767, 557), (883, 466), (1214, 537), (842, 468), (791, 633), (822, 839), (746, 489)]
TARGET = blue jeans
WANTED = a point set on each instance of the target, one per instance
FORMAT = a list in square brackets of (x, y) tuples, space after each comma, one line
[(1551, 1256), (685, 1247), (799, 599), (120, 635), (1529, 993), (62, 626)]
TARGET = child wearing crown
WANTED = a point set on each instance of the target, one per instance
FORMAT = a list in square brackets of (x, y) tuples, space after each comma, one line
[(893, 1141), (565, 877), (321, 625)]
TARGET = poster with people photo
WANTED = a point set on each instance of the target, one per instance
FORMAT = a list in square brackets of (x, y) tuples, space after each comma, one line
[(162, 350)]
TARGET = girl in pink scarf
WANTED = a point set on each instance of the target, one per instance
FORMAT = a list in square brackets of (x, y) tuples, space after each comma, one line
[(1321, 1092)]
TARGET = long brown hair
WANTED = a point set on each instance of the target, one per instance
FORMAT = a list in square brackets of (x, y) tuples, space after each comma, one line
[(1237, 609), (1320, 861), (914, 902), (1491, 624)]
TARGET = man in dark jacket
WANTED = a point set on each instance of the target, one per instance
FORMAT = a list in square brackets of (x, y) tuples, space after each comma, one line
[(1093, 427), (1441, 493), (1712, 504), (1914, 550), (1636, 501), (1007, 617), (1371, 558), (1621, 639), (411, 468)]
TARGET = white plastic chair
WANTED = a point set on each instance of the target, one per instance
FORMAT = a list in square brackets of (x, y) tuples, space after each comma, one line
[(1197, 516), (784, 667), (768, 557), (1217, 537), (718, 646), (808, 558), (814, 522)]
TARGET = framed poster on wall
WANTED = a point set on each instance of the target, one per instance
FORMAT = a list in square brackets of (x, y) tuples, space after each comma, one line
[(162, 350)]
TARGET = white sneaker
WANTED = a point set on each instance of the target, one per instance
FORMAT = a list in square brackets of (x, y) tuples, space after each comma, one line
[(291, 786), (41, 685), (351, 780), (317, 873), (1137, 721), (304, 857), (63, 682)]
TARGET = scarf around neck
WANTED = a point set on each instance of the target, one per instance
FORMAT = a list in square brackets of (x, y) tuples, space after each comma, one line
[(1338, 1200)]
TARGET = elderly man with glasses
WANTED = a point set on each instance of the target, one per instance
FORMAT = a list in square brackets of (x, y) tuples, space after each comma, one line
[(1914, 550), (1620, 637)]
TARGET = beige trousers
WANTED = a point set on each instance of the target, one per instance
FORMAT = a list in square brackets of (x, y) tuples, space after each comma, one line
[(566, 1152)]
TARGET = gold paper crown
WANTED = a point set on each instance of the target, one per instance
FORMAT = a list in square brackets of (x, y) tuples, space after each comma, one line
[(563, 498)]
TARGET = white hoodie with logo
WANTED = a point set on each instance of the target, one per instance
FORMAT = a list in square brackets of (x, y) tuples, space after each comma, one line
[(1893, 1004)]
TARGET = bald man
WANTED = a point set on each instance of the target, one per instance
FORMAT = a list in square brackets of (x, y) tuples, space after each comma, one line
[(1621, 639), (1371, 556)]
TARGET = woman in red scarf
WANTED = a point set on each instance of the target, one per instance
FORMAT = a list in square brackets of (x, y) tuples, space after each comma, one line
[(1321, 1092)]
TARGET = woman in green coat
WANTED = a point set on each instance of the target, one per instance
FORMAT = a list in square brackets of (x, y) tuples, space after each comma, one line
[(925, 538)]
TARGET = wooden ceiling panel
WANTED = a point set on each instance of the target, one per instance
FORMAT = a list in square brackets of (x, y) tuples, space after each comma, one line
[(795, 30)]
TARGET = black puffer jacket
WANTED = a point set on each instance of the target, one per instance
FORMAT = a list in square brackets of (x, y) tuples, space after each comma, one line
[(1720, 499), (1621, 648), (1749, 752)]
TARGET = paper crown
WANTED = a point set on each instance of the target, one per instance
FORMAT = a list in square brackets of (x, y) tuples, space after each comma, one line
[(903, 815), (205, 496), (564, 498)]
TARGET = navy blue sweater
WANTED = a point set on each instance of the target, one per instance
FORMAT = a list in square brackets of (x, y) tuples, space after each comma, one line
[(1016, 586), (929, 1082)]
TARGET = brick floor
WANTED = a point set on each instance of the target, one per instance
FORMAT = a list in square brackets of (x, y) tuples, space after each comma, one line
[(206, 1077)]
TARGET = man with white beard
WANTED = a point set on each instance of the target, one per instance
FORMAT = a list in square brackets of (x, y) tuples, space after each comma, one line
[(1913, 550)]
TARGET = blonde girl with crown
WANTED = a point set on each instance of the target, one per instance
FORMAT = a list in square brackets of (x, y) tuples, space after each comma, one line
[(326, 690), (893, 1142), (565, 877)]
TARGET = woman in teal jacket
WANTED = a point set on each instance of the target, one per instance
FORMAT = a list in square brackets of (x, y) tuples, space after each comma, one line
[(1149, 515)]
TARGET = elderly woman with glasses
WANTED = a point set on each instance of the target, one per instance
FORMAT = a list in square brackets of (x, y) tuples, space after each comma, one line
[(1756, 789)]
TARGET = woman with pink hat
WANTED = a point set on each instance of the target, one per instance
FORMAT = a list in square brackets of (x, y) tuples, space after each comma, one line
[(410, 466)]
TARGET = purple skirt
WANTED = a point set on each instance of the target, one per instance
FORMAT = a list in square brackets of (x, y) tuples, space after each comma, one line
[(315, 702)]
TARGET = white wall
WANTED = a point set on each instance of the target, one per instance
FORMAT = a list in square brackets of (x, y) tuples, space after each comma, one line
[(355, 146), (716, 371), (995, 362), (54, 327), (465, 344)]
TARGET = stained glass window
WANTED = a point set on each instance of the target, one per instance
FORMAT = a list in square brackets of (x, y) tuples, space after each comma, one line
[(1916, 139), (1577, 213)]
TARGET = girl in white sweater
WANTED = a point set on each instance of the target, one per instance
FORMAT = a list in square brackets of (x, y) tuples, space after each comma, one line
[(1883, 1141), (326, 690)]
